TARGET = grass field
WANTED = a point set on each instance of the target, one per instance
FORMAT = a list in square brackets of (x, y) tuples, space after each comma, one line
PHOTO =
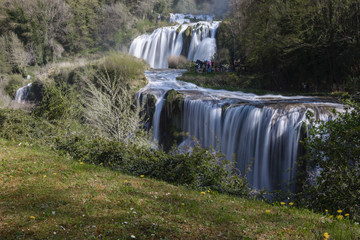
[(47, 196)]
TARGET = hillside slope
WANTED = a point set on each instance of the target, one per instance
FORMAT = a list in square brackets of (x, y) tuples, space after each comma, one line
[(46, 196)]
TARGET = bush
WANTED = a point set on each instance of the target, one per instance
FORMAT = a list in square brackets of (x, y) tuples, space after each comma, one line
[(178, 62), (128, 68), (19, 125), (58, 102), (5, 99), (15, 82), (200, 169), (333, 150), (111, 108)]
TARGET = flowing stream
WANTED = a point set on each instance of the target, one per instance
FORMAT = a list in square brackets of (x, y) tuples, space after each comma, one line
[(260, 132)]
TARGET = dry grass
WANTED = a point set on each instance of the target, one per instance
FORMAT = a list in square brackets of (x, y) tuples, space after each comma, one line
[(44, 196)]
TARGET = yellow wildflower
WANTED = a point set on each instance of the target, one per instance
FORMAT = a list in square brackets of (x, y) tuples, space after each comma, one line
[(346, 215), (202, 192), (81, 163), (125, 181), (101, 164), (282, 203), (291, 203), (326, 235), (340, 217), (331, 216), (142, 176), (267, 211), (183, 204), (326, 210), (339, 211), (44, 176), (32, 217), (208, 191)]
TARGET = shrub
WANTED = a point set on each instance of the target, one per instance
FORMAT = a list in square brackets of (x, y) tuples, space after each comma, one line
[(15, 82), (58, 102), (178, 62), (5, 99), (199, 169), (128, 68), (333, 150), (19, 125), (111, 108)]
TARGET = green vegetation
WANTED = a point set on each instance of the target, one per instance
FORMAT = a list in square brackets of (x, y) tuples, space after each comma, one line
[(37, 32), (47, 196), (333, 147), (15, 82), (63, 159), (293, 44), (223, 80)]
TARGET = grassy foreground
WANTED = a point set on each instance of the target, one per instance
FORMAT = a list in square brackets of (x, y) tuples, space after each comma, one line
[(46, 196)]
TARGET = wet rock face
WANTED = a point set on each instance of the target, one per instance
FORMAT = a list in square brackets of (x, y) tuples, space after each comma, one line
[(148, 102), (171, 120), (187, 36)]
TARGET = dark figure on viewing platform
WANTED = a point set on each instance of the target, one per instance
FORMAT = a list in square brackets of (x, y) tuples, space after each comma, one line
[(199, 64)]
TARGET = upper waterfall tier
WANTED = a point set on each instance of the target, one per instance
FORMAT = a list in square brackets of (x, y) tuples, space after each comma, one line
[(196, 41), (188, 18)]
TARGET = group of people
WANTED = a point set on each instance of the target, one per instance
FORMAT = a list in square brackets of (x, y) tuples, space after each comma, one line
[(208, 67)]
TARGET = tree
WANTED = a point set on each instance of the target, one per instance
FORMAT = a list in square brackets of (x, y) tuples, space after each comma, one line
[(291, 43), (333, 150), (49, 20), (116, 19), (14, 53), (111, 107)]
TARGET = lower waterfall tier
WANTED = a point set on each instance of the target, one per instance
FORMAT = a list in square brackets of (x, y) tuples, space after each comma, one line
[(259, 133)]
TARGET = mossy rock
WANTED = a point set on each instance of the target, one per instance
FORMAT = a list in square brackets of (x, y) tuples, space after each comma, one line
[(178, 30), (188, 32), (149, 103), (171, 120), (187, 36)]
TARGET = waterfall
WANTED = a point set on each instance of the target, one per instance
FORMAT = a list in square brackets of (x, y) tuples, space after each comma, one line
[(158, 108), (259, 133), (23, 93), (264, 139), (196, 41)]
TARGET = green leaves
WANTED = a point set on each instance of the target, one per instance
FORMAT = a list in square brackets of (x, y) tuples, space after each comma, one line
[(292, 43), (333, 149)]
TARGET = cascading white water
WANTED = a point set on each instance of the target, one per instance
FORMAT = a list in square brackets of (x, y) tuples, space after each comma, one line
[(186, 18), (169, 41), (260, 132), (23, 93)]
